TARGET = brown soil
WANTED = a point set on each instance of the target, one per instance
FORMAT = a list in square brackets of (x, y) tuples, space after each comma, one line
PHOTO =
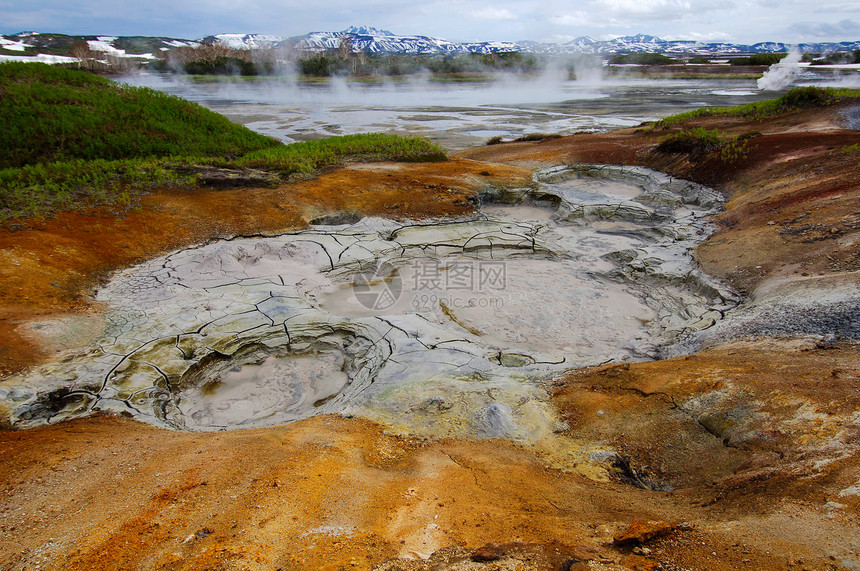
[(329, 492), (758, 441)]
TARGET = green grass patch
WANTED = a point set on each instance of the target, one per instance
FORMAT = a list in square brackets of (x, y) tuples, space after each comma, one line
[(75, 140), (797, 98), (53, 114), (700, 143), (309, 156), (44, 188)]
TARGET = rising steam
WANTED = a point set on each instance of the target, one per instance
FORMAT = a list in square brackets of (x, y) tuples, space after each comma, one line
[(781, 74)]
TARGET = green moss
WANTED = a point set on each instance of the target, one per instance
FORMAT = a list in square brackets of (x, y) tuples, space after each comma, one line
[(695, 140), (797, 98)]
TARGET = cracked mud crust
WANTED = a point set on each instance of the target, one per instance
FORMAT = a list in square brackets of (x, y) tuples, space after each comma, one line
[(743, 455), (253, 332), (49, 267)]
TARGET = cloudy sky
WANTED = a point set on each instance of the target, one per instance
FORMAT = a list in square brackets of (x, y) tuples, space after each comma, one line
[(745, 21)]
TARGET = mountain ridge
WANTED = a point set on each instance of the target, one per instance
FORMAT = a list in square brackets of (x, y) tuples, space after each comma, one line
[(378, 41), (374, 40)]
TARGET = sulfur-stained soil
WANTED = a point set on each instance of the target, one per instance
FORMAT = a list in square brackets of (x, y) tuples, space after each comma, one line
[(334, 493), (743, 456)]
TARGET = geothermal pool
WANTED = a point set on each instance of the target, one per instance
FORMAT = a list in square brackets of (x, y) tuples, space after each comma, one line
[(457, 115), (438, 327)]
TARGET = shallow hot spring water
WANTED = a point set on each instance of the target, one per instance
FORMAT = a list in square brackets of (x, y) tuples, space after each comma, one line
[(444, 327)]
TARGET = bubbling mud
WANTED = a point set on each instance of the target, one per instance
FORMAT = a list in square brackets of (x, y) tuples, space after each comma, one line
[(440, 328), (259, 389)]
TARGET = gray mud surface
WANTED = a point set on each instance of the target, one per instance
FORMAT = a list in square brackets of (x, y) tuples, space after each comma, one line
[(439, 327)]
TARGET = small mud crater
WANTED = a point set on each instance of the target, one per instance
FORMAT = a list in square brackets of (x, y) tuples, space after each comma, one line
[(259, 389)]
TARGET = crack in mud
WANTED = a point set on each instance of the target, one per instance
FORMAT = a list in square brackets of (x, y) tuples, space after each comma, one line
[(590, 265)]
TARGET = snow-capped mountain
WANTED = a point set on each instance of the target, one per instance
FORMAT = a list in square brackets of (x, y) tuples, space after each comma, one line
[(362, 38), (642, 43), (367, 31), (365, 38), (373, 40), (28, 45), (582, 43), (245, 41)]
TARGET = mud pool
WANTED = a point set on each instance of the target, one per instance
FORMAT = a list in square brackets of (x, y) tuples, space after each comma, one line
[(439, 328)]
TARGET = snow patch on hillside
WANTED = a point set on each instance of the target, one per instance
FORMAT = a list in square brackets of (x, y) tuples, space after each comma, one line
[(40, 58), (14, 46)]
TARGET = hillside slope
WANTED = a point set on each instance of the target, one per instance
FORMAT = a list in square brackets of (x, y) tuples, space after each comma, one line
[(56, 114)]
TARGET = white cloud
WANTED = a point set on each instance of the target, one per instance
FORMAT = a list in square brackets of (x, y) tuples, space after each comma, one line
[(704, 37), (560, 39), (655, 17), (494, 14), (708, 20), (570, 19), (664, 9), (842, 30)]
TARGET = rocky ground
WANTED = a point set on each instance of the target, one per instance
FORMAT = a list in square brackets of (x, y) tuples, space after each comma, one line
[(741, 456)]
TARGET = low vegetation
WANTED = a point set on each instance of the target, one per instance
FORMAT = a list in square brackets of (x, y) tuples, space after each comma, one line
[(758, 59), (334, 63), (75, 140), (214, 59), (529, 138), (53, 114), (695, 140), (537, 137), (797, 98), (642, 59), (700, 143), (833, 59), (309, 156), (44, 188)]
